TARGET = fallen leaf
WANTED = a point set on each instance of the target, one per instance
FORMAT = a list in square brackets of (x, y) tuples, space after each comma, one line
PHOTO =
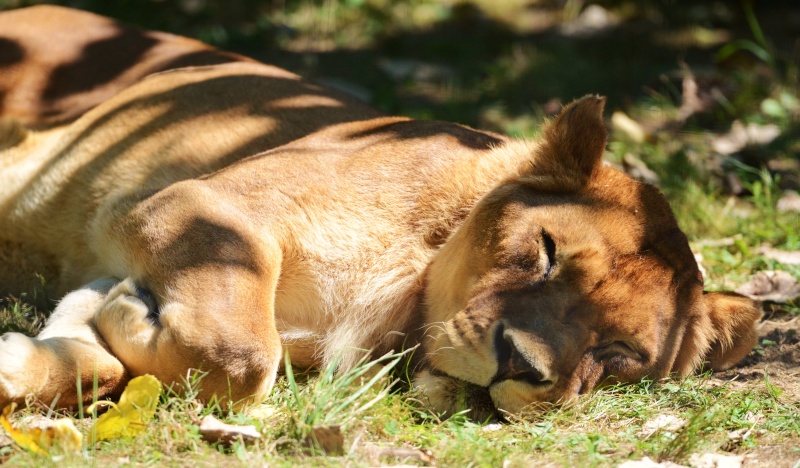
[(662, 422), (691, 99), (790, 201), (214, 430), (739, 434), (725, 241), (647, 462), (492, 427), (753, 418), (21, 438), (715, 460), (774, 286), (637, 169), (128, 417), (59, 433), (783, 256), (741, 136)]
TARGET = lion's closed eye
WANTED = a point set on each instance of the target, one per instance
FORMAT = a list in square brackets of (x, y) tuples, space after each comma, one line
[(616, 348), (550, 254)]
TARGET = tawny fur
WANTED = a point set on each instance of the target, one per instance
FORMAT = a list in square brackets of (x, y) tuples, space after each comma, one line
[(216, 217)]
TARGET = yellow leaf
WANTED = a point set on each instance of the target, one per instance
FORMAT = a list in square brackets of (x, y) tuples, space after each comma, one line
[(61, 432), (128, 417), (21, 438)]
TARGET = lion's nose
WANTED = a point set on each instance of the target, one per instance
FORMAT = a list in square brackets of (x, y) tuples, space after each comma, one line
[(518, 364)]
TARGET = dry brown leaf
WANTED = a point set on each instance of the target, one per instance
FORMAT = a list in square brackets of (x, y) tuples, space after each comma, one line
[(214, 430), (329, 439), (774, 286)]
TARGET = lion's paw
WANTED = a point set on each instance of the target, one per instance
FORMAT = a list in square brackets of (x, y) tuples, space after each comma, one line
[(128, 322), (20, 372)]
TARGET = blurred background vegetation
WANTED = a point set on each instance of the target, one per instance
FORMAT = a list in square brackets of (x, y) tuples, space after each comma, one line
[(704, 96), (492, 62)]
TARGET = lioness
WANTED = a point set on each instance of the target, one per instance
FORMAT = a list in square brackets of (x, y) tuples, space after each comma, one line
[(216, 217)]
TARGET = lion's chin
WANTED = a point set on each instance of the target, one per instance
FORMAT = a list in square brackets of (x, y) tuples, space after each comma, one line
[(447, 395)]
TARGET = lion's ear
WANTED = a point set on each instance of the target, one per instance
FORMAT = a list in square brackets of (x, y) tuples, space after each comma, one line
[(572, 147), (733, 319)]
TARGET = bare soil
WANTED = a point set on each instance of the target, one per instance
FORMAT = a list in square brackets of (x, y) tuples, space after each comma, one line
[(778, 358)]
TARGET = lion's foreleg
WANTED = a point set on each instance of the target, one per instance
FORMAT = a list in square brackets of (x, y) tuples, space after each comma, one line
[(218, 323), (68, 361)]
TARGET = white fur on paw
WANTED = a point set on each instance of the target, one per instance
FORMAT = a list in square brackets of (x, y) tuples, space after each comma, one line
[(123, 323), (18, 370), (74, 314)]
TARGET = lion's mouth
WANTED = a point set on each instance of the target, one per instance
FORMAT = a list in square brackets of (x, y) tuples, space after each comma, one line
[(493, 402), (534, 379)]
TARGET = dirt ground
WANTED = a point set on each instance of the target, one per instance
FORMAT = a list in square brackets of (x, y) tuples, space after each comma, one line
[(780, 362)]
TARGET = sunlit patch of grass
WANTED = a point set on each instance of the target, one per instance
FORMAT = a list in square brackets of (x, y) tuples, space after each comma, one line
[(324, 25), (337, 398), (605, 427)]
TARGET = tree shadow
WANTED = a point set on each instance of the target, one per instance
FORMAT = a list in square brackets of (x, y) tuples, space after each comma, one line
[(83, 60), (493, 64)]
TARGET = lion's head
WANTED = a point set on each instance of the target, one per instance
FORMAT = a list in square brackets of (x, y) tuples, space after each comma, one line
[(570, 276)]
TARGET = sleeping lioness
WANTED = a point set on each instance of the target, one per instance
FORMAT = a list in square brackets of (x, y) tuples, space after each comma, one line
[(216, 217)]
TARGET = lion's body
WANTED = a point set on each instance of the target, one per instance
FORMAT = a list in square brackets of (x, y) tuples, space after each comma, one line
[(82, 60), (262, 106), (214, 217)]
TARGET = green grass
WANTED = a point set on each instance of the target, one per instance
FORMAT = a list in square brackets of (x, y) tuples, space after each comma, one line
[(603, 428), (17, 315)]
